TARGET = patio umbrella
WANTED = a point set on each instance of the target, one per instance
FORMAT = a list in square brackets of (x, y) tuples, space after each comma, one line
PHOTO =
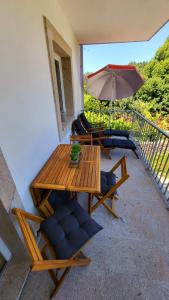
[(114, 82)]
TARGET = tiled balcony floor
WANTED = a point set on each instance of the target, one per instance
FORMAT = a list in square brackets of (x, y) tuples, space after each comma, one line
[(130, 260)]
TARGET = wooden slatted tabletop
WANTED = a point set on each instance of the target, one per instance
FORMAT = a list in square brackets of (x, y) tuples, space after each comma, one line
[(56, 174)]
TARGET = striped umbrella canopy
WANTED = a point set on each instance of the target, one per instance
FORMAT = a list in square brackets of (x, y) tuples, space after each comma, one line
[(114, 82)]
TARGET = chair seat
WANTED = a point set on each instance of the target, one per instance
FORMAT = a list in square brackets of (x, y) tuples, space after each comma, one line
[(85, 121), (118, 143), (110, 132), (69, 228), (108, 180), (79, 127)]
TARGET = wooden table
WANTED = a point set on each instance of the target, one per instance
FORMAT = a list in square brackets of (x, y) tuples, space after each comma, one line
[(56, 174)]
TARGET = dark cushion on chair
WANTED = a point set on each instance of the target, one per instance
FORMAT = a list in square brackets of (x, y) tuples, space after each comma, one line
[(58, 198), (125, 144), (78, 127), (108, 180), (115, 132), (107, 143), (110, 132), (69, 228), (85, 121), (118, 143)]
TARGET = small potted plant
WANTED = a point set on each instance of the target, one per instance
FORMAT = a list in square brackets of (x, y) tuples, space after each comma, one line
[(75, 154)]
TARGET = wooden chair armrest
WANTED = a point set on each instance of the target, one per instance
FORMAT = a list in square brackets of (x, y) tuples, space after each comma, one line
[(17, 211), (86, 138), (55, 264), (81, 138), (100, 137), (95, 129), (100, 134)]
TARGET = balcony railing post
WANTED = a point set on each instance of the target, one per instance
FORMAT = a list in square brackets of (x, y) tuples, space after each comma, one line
[(153, 152)]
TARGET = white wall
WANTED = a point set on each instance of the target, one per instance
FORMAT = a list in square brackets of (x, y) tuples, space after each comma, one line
[(28, 127)]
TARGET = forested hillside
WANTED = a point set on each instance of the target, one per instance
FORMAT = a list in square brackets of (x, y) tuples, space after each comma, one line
[(152, 100)]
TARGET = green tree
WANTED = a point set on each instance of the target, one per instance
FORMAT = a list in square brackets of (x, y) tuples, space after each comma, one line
[(163, 52)]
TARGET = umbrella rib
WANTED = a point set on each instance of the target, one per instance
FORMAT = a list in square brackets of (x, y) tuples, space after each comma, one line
[(103, 88), (126, 82), (92, 83)]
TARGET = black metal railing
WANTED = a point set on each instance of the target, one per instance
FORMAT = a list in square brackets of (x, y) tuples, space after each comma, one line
[(152, 142)]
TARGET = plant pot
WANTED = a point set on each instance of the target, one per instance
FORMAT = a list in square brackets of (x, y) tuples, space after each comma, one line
[(75, 163)]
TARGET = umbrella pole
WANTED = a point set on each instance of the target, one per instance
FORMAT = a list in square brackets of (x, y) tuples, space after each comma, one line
[(110, 105), (110, 111)]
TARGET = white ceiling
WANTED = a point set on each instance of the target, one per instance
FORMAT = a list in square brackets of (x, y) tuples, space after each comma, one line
[(106, 21)]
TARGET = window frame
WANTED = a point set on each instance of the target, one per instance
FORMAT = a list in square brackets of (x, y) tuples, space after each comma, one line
[(57, 47)]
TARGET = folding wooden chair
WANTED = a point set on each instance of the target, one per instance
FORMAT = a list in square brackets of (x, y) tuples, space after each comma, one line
[(109, 186), (55, 241)]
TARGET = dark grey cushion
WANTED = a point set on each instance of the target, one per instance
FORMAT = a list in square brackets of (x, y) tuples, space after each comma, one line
[(115, 132), (118, 143), (108, 180), (79, 128), (85, 121), (110, 132), (125, 144), (58, 198), (69, 228)]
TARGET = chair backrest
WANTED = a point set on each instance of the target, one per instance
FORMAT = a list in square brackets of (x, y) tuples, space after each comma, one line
[(46, 208), (28, 235), (53, 201), (84, 120), (124, 175), (78, 128)]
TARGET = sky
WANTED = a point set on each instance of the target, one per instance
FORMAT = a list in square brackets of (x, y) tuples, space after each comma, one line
[(98, 56)]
